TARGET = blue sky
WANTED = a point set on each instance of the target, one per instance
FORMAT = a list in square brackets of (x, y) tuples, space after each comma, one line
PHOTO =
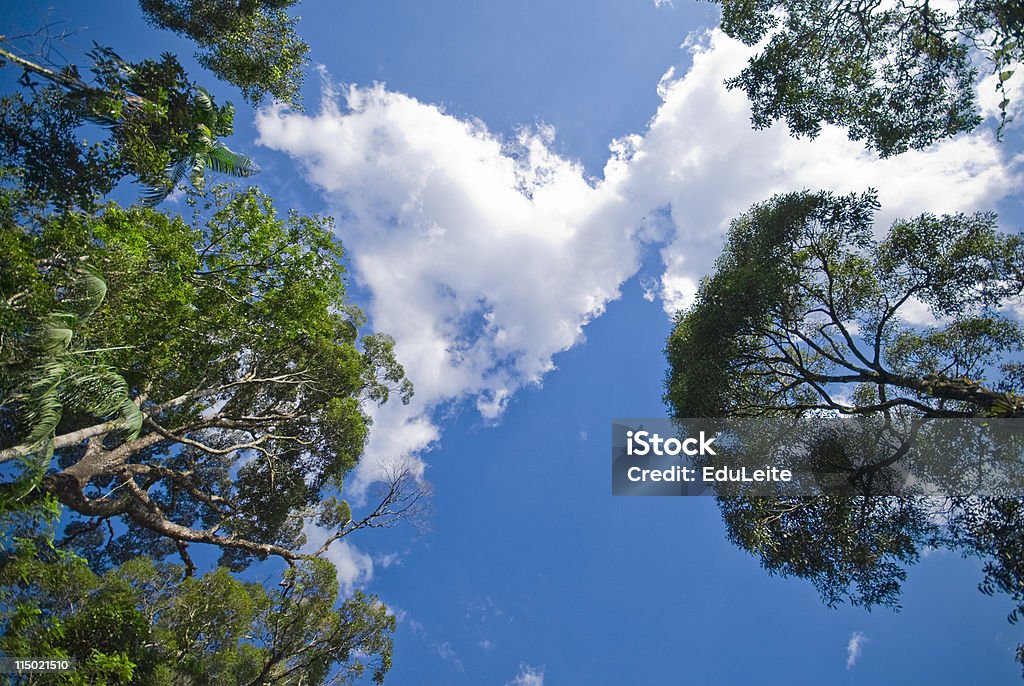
[(526, 190)]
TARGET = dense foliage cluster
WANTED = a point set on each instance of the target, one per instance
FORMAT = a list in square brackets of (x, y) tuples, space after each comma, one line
[(144, 623), (805, 308), (162, 129), (897, 75), (806, 314), (173, 385), (249, 43)]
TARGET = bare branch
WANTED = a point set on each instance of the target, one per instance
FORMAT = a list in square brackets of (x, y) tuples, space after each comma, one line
[(402, 499)]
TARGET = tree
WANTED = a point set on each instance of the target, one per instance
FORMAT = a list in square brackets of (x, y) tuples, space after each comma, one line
[(163, 128), (167, 382), (144, 623), (250, 43), (43, 371), (804, 308), (43, 375), (896, 76), (803, 316), (243, 358)]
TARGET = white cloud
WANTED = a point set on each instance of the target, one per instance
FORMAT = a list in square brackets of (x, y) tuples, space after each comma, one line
[(528, 676), (448, 654), (386, 560), (485, 257), (701, 157), (917, 313), (355, 568), (854, 648), (989, 96)]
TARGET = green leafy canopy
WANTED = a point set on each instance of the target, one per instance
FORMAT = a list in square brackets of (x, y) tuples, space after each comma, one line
[(807, 314), (896, 75), (235, 343)]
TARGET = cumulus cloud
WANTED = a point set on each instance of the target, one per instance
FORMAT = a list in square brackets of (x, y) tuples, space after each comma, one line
[(917, 313), (528, 676), (486, 257), (354, 567), (854, 648), (701, 158)]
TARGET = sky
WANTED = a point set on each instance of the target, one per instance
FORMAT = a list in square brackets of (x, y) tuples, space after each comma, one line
[(526, 192)]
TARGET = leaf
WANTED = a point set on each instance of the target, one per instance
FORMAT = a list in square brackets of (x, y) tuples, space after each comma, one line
[(176, 171), (94, 287), (56, 339), (133, 419), (202, 99), (225, 161), (155, 194)]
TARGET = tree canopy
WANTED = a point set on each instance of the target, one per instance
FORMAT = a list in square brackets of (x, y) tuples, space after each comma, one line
[(144, 623), (162, 127), (170, 380), (237, 347), (897, 76), (807, 313), (249, 43)]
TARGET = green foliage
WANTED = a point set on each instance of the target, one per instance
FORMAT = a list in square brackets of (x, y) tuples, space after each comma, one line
[(168, 381), (44, 374), (145, 623), (251, 44), (803, 316), (62, 376), (805, 306), (232, 337), (826, 541), (162, 129), (39, 136), (897, 77)]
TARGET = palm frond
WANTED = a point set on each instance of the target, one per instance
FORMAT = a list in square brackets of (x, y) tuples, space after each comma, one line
[(44, 415), (203, 135), (203, 100), (63, 379), (93, 287), (177, 169), (198, 174), (40, 403), (154, 194), (54, 339), (132, 417), (225, 161)]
